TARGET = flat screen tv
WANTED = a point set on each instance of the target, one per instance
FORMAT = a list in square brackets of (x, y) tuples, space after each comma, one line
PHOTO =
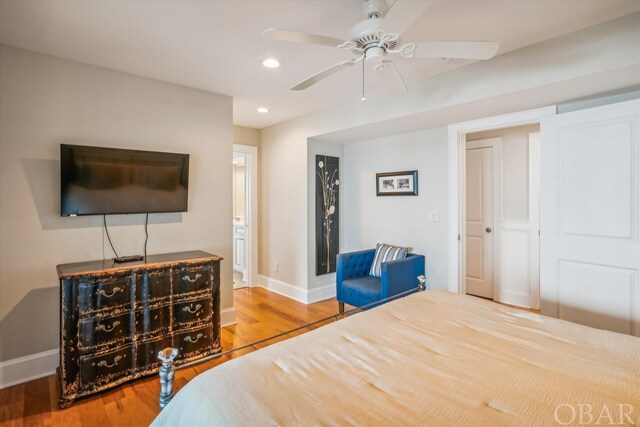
[(98, 181)]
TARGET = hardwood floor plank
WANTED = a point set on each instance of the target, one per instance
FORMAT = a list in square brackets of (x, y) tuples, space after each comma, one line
[(12, 406), (259, 313)]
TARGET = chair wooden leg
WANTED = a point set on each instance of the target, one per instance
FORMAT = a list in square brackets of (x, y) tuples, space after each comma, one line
[(340, 307)]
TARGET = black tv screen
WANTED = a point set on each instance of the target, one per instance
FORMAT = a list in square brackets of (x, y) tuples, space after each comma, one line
[(97, 181)]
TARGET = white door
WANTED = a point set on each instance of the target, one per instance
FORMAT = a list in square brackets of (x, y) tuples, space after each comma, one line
[(239, 249), (479, 219), (519, 243), (589, 248)]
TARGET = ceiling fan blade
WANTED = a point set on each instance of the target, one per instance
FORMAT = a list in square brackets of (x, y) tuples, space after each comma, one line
[(461, 50), (325, 73), (402, 14), (393, 82), (296, 36)]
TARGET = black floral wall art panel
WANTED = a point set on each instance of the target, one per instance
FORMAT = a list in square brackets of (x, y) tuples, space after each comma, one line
[(327, 213)]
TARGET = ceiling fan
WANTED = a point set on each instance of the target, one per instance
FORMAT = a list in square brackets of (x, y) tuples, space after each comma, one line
[(377, 38)]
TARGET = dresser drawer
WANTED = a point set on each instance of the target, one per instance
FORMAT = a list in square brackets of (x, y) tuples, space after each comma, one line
[(102, 331), (153, 320), (185, 313), (153, 284), (96, 293), (191, 279), (194, 341), (106, 367), (147, 353)]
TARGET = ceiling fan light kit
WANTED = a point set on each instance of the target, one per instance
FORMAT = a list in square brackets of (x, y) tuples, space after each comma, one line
[(377, 38)]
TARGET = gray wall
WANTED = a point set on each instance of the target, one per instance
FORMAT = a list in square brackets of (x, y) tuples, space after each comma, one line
[(47, 101), (246, 136), (399, 220)]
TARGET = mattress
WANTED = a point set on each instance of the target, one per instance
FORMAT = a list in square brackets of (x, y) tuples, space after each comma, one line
[(432, 358)]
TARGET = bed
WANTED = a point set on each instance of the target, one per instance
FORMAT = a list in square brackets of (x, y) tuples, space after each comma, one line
[(432, 358)]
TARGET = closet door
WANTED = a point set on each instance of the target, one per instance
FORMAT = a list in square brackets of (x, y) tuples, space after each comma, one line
[(589, 248)]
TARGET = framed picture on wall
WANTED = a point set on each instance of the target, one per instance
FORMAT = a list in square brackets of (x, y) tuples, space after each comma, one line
[(397, 183)]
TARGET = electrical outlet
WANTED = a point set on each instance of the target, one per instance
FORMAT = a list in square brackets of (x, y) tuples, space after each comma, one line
[(434, 215), (277, 267)]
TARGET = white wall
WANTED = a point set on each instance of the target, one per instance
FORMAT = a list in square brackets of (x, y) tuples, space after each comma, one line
[(400, 220), (602, 58), (47, 101), (282, 206)]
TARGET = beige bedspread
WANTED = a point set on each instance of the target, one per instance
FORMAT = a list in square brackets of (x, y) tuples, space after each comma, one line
[(433, 358)]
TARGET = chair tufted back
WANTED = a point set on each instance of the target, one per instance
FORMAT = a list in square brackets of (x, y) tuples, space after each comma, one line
[(353, 265)]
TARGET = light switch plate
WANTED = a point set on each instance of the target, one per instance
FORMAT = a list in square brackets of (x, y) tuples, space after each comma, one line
[(434, 215)]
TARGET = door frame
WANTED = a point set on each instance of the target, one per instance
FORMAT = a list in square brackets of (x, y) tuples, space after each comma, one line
[(251, 207), (496, 159), (457, 166)]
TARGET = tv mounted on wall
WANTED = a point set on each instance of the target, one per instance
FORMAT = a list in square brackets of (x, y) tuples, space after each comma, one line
[(99, 181)]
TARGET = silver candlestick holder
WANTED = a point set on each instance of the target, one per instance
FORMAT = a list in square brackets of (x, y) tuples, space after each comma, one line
[(422, 283), (167, 372)]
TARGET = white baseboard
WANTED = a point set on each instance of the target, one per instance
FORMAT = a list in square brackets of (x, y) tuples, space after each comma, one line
[(228, 317), (283, 288), (299, 294), (28, 368), (322, 293)]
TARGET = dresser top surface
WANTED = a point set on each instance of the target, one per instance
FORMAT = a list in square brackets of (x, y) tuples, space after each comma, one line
[(108, 266)]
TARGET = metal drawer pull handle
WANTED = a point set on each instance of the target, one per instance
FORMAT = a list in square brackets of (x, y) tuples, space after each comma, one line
[(189, 339), (188, 310), (115, 290), (198, 275), (101, 327), (115, 362)]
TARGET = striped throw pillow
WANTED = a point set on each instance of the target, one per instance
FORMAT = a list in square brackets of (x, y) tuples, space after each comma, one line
[(385, 253)]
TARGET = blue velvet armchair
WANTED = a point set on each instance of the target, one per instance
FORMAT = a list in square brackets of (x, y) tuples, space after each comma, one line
[(355, 287)]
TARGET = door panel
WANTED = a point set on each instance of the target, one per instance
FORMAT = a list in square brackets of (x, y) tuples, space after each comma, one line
[(479, 214), (594, 161), (589, 243), (518, 275)]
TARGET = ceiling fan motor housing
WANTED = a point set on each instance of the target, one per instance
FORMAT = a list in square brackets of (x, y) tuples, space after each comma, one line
[(365, 34), (374, 8)]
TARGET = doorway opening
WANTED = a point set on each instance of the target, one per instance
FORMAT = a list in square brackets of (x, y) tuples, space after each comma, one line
[(244, 225), (501, 198), (239, 220), (519, 230)]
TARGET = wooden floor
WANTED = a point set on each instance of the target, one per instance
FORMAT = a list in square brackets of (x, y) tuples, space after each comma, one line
[(260, 314)]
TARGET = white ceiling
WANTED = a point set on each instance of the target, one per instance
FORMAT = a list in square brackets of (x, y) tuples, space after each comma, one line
[(216, 45)]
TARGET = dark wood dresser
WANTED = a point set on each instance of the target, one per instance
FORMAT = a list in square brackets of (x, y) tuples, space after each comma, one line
[(115, 318)]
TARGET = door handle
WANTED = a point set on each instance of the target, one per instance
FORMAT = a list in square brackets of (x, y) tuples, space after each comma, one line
[(488, 229)]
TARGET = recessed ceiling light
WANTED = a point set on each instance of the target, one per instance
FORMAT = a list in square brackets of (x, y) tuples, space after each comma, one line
[(271, 63), (263, 110)]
